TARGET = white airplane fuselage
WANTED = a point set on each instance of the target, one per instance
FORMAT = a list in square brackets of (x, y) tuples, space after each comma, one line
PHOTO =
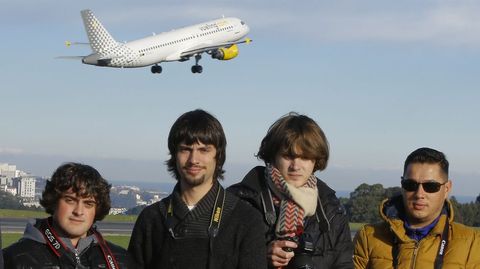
[(169, 46)]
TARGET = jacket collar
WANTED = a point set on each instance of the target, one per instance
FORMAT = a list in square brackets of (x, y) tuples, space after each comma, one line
[(204, 206), (392, 212)]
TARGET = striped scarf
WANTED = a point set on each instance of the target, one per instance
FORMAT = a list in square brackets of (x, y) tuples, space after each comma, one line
[(297, 203)]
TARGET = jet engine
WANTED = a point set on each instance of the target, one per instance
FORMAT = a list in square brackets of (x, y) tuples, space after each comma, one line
[(225, 53)]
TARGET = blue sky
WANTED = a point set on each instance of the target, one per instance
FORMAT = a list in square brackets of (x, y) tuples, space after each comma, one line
[(382, 78)]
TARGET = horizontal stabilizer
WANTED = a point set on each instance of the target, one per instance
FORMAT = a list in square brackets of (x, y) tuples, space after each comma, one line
[(69, 43)]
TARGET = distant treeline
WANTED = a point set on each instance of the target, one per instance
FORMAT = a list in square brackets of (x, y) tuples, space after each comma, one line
[(363, 205)]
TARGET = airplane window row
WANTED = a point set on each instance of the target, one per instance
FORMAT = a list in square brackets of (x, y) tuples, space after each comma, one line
[(184, 39)]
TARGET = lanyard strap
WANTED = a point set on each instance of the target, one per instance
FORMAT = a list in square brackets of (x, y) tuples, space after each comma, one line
[(441, 248), (59, 248)]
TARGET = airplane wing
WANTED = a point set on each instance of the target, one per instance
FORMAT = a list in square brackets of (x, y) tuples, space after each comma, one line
[(209, 47)]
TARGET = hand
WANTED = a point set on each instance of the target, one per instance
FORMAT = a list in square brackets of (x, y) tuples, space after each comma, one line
[(277, 256)]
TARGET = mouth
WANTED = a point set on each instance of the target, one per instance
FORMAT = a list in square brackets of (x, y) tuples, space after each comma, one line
[(76, 220), (419, 206), (193, 170)]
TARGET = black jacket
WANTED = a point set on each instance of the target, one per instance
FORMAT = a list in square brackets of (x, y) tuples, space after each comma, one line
[(238, 244), (328, 230), (31, 252)]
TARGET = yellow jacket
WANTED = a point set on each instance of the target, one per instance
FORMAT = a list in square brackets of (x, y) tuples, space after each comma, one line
[(373, 243)]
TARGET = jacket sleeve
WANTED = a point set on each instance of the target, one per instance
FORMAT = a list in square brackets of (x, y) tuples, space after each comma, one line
[(253, 250), (138, 241), (474, 257), (360, 253), (146, 237), (344, 246)]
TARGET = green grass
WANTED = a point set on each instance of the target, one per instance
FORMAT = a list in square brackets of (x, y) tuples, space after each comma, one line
[(356, 226), (121, 240), (30, 214)]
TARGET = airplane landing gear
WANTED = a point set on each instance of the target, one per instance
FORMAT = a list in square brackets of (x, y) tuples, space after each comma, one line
[(197, 68), (156, 69)]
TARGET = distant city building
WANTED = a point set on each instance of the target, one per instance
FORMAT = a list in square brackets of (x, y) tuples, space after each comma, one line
[(4, 180), (25, 186), (8, 170), (11, 190), (117, 210)]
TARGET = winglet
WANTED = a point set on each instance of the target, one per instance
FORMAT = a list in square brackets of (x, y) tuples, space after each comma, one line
[(248, 40), (68, 43)]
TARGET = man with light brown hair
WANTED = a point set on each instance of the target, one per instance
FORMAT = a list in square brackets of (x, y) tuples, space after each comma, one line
[(305, 225)]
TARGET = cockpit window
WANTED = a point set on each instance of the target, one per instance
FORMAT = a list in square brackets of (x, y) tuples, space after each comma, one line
[(242, 22)]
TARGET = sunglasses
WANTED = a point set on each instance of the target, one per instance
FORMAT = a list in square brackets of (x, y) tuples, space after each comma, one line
[(429, 186)]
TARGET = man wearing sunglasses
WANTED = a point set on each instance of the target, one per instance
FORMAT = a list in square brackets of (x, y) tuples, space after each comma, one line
[(418, 230)]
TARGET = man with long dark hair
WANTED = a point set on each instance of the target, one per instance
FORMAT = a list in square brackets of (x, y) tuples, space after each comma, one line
[(199, 225), (76, 196)]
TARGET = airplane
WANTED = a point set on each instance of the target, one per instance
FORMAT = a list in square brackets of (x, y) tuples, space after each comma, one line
[(218, 38)]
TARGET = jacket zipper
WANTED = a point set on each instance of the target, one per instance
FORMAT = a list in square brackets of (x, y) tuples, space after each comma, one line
[(76, 256), (415, 252)]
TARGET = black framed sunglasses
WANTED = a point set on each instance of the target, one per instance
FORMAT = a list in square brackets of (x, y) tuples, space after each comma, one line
[(429, 186)]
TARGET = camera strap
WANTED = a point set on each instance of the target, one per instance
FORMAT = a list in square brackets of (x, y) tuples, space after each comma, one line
[(441, 248), (59, 249)]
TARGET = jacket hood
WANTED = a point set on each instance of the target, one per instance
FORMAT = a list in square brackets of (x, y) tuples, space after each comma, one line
[(31, 232)]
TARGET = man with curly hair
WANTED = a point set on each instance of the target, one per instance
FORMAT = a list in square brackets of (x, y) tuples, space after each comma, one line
[(76, 196)]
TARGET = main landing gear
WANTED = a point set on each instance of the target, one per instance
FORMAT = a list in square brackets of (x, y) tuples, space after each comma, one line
[(156, 69), (197, 68)]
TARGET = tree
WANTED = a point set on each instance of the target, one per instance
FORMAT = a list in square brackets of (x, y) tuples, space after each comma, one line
[(8, 201)]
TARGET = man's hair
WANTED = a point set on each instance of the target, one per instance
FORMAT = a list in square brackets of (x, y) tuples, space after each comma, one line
[(295, 135), (193, 127), (84, 181), (427, 155)]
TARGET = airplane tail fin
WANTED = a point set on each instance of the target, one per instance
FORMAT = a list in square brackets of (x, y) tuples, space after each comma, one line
[(100, 39)]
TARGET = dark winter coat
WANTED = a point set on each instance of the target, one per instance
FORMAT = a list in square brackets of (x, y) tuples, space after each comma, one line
[(238, 244), (31, 252), (330, 233)]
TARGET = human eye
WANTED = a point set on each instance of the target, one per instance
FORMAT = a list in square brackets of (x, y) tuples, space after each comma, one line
[(205, 149), (68, 200), (90, 204), (184, 149)]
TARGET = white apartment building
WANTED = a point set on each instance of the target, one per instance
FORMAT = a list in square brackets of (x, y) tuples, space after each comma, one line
[(25, 186), (8, 170)]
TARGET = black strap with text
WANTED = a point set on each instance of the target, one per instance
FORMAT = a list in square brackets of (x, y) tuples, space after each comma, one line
[(59, 248)]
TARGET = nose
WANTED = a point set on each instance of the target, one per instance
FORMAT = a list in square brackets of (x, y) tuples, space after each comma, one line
[(78, 209), (420, 192), (192, 157), (294, 163)]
